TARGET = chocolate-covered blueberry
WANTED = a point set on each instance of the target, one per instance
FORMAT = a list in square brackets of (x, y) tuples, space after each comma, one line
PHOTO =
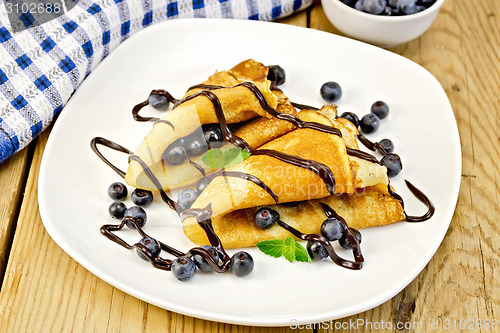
[(183, 269), (152, 245), (135, 214)]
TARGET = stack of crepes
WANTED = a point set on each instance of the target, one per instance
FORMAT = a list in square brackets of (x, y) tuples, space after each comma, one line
[(361, 193)]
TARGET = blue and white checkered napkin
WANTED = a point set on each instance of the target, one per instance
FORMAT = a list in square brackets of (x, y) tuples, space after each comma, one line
[(42, 66)]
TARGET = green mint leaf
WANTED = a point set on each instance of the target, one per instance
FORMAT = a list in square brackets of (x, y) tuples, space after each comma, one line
[(273, 248), (234, 156), (214, 158), (289, 249), (289, 242), (301, 253)]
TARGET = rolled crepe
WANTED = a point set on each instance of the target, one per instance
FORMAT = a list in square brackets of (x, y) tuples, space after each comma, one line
[(239, 104), (374, 206), (289, 182)]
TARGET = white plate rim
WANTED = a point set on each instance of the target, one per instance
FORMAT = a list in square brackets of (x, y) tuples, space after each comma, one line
[(210, 315)]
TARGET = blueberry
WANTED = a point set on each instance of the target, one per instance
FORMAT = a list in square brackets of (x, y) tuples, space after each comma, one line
[(266, 217), (392, 3), (183, 269), (421, 8), (276, 75), (201, 263), (142, 197), (117, 191), (407, 6), (159, 102), (381, 109), (202, 184), (344, 241), (117, 210), (332, 229), (213, 135), (353, 118), (152, 245), (374, 6), (369, 123), (138, 215), (241, 264), (359, 6), (393, 164), (174, 155), (195, 144), (316, 250), (186, 198), (426, 3), (387, 11), (331, 91), (387, 145)]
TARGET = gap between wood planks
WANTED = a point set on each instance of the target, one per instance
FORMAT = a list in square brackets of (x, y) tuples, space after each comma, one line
[(18, 200)]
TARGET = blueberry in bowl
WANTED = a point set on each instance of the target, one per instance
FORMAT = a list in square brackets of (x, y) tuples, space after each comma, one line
[(385, 23)]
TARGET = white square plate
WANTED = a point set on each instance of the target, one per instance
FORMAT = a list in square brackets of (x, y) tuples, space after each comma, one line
[(176, 54)]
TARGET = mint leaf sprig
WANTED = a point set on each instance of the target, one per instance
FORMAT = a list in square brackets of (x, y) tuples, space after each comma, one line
[(289, 248), (217, 159)]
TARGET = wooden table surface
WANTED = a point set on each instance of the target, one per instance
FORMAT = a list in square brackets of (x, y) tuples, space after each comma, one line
[(44, 290)]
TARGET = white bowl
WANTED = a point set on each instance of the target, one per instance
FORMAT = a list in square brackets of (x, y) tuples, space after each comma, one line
[(385, 31)]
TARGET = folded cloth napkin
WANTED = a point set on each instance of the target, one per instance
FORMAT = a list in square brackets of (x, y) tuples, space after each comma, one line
[(42, 65)]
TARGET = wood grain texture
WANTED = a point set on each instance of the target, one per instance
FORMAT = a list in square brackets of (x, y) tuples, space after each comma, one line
[(12, 179), (44, 290)]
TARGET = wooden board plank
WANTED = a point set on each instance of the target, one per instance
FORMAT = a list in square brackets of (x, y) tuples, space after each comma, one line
[(12, 178), (299, 19), (45, 290)]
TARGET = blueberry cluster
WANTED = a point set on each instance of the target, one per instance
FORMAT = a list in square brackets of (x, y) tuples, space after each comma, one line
[(119, 192), (183, 268), (197, 143), (333, 230), (369, 123), (390, 7)]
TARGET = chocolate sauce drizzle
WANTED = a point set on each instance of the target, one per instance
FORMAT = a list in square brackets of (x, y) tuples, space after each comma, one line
[(110, 144), (373, 146), (304, 106), (420, 196), (165, 264), (413, 189), (193, 163)]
